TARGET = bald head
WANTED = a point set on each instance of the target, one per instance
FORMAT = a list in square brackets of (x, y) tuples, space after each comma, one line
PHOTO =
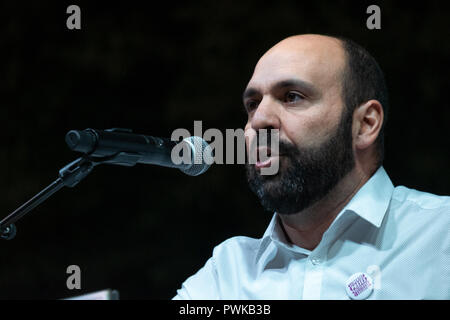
[(302, 42), (319, 58)]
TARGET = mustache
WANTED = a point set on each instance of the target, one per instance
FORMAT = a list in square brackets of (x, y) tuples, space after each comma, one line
[(263, 138), (285, 148)]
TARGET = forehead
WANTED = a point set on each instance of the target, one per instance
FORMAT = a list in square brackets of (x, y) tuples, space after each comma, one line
[(317, 60)]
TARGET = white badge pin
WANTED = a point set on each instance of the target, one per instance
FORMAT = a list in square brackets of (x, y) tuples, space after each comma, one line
[(359, 286)]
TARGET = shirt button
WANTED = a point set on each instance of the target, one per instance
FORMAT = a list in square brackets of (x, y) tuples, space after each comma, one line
[(316, 261)]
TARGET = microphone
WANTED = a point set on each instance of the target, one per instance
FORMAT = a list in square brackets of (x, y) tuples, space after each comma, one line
[(122, 147)]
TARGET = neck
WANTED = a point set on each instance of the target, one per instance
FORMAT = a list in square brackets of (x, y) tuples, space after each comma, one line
[(306, 228)]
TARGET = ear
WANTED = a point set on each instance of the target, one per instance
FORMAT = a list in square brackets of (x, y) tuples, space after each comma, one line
[(367, 122)]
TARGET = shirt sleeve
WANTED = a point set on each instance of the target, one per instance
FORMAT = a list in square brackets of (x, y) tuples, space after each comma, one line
[(201, 286)]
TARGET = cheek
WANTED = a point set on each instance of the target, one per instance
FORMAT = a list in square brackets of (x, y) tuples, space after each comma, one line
[(308, 129)]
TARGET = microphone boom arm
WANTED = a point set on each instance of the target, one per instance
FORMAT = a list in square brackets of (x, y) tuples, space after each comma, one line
[(69, 176)]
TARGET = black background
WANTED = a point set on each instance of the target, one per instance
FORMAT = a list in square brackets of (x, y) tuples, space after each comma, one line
[(158, 67)]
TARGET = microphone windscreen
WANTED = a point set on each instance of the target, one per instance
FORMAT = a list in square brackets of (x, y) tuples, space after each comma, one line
[(202, 156)]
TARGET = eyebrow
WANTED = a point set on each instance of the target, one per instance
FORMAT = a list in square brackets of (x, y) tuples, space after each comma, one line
[(307, 87)]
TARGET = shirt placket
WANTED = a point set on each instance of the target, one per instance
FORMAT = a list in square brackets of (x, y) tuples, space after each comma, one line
[(316, 261), (314, 267)]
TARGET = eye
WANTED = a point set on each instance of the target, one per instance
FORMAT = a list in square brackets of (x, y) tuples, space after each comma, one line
[(251, 105), (293, 96)]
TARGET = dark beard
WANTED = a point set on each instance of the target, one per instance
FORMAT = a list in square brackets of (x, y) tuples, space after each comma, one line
[(305, 175)]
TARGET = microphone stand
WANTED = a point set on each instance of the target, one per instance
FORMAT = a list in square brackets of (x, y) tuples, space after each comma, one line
[(69, 176)]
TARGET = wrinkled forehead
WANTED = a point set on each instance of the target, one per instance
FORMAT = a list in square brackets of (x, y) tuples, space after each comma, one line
[(319, 62)]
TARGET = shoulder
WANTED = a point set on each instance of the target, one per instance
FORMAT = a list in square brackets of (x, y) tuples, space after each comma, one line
[(237, 246), (238, 255), (219, 274), (420, 200), (420, 217)]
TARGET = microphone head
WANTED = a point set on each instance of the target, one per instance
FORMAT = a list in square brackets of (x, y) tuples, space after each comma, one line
[(202, 156)]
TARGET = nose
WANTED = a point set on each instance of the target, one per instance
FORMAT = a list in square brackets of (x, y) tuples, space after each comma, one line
[(265, 115)]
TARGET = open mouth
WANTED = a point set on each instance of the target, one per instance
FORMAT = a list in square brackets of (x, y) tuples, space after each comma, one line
[(264, 157)]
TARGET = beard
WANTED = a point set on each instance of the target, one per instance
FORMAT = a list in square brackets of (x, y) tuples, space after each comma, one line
[(305, 175)]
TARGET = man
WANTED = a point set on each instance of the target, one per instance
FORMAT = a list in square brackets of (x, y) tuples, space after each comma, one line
[(340, 229)]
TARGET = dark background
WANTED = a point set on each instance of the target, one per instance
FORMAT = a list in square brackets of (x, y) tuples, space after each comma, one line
[(144, 230)]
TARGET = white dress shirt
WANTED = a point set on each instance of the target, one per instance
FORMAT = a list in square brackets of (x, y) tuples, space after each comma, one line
[(398, 236)]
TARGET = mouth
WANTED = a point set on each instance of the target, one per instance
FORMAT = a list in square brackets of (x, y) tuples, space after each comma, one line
[(265, 157)]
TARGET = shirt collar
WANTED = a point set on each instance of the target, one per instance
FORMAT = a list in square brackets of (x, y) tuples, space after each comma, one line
[(372, 200), (370, 203)]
